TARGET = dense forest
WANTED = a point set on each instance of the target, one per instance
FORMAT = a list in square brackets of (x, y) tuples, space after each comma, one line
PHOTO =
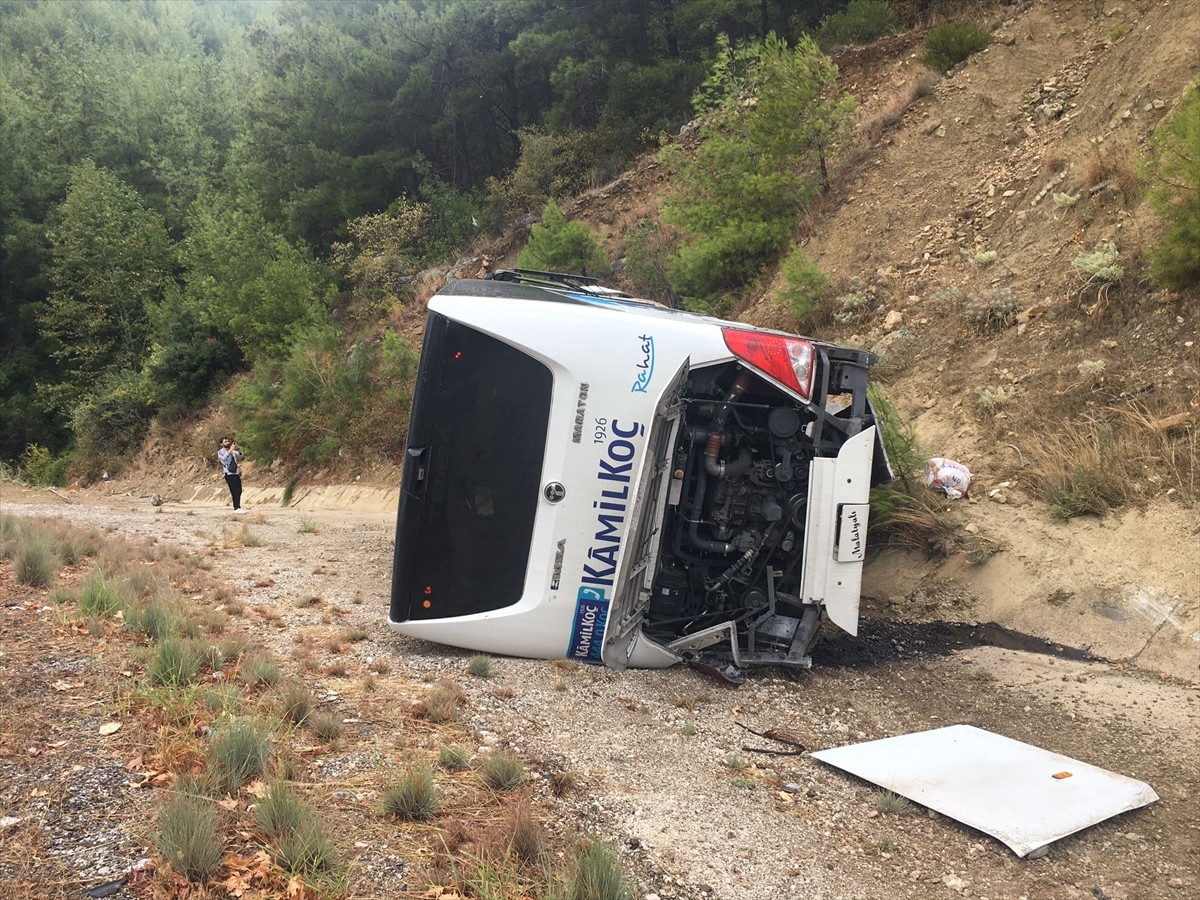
[(204, 196), (178, 175)]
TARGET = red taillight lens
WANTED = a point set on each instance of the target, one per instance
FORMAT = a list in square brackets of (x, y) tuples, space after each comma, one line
[(787, 360)]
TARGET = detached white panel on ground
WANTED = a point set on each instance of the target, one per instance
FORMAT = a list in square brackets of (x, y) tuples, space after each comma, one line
[(1023, 795)]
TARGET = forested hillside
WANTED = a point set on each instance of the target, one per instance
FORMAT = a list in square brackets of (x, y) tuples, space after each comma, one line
[(184, 183), (230, 205)]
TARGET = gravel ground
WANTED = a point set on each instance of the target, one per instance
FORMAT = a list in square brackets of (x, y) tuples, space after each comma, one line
[(704, 786)]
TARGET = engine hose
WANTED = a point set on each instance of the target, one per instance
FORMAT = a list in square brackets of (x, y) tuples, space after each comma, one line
[(745, 561), (717, 435), (694, 523)]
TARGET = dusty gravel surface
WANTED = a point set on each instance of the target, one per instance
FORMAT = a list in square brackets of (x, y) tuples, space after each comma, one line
[(673, 765)]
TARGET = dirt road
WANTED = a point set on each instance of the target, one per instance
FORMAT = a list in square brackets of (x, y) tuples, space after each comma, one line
[(672, 764)]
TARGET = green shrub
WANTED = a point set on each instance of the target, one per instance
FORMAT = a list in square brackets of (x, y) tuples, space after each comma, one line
[(1172, 171), (414, 798), (757, 166), (596, 874), (451, 217), (550, 166), (1101, 265), (805, 285), (323, 397), (480, 666), (993, 400), (712, 265), (260, 670), (42, 468), (110, 423), (992, 310), (190, 356), (155, 620), (306, 851), (503, 771), (561, 246), (952, 42), (189, 836), (381, 255), (238, 753), (280, 812), (648, 250), (859, 23), (99, 596), (853, 306), (35, 563), (296, 703), (175, 662), (453, 759)]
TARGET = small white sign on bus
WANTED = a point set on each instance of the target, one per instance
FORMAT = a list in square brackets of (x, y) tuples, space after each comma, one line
[(1022, 795)]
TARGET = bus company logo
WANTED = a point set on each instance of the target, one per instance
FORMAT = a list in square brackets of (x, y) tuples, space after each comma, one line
[(641, 384), (556, 574), (591, 615)]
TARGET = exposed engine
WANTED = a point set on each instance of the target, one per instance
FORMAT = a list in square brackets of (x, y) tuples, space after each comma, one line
[(730, 563)]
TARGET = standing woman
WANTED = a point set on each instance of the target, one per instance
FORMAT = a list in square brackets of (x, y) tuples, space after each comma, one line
[(230, 455)]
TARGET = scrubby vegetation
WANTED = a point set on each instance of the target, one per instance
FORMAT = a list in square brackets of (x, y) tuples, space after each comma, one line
[(860, 22), (772, 117), (952, 42), (557, 245), (1172, 173), (226, 760)]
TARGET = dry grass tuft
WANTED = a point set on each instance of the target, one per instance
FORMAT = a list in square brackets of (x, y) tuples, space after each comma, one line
[(1113, 168), (871, 129), (441, 704), (457, 834), (337, 644), (326, 726), (563, 782), (1113, 458), (295, 703), (522, 835)]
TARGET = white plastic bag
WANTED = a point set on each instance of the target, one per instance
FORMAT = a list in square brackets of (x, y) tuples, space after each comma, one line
[(950, 477)]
